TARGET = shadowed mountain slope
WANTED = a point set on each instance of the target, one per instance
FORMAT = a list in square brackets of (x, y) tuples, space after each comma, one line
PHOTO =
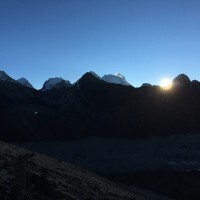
[(92, 107), (48, 178)]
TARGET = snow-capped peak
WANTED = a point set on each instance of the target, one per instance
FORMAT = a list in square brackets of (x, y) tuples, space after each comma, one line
[(120, 75), (117, 79), (24, 82), (5, 77), (109, 78), (55, 83)]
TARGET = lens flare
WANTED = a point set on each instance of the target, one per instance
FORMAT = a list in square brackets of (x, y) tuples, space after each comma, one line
[(166, 83)]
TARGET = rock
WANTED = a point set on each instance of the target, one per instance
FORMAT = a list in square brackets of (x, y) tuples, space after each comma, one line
[(196, 84), (146, 85), (181, 80), (47, 178)]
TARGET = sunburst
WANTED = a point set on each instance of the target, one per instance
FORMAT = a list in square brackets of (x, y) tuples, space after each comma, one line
[(166, 83)]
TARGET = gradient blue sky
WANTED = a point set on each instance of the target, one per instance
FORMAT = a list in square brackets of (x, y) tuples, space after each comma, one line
[(145, 40)]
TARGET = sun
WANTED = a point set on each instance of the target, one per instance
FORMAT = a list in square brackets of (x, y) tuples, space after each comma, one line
[(166, 83)]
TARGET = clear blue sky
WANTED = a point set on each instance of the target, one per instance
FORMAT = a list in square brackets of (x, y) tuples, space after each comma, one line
[(145, 40)]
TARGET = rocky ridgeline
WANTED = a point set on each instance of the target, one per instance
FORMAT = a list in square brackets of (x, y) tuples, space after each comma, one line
[(93, 107)]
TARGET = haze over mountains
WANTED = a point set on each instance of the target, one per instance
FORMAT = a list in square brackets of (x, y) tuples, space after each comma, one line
[(94, 107)]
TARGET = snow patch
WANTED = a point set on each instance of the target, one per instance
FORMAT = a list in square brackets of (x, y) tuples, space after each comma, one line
[(116, 79), (53, 82)]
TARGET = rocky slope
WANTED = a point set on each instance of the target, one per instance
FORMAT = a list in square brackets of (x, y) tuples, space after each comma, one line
[(55, 83), (48, 178), (24, 82)]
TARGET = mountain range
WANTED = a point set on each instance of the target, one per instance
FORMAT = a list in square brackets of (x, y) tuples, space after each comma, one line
[(59, 82), (106, 107)]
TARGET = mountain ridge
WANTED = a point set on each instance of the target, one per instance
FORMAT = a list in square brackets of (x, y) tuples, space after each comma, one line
[(24, 82), (58, 82), (92, 107)]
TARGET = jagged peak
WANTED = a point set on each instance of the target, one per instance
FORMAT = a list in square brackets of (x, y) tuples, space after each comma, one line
[(25, 82), (5, 77), (95, 74), (109, 78), (54, 82), (88, 75), (120, 75), (116, 79), (2, 73)]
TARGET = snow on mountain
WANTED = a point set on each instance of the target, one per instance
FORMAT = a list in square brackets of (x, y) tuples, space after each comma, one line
[(110, 78), (55, 83), (58, 82), (24, 82), (5, 77), (116, 79)]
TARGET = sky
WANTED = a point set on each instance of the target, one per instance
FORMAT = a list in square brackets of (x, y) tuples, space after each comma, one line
[(145, 40)]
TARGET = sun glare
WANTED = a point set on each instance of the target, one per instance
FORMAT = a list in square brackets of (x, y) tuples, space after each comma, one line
[(166, 83)]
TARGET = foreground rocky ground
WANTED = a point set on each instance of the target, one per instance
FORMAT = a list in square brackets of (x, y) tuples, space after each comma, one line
[(48, 178), (164, 165)]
